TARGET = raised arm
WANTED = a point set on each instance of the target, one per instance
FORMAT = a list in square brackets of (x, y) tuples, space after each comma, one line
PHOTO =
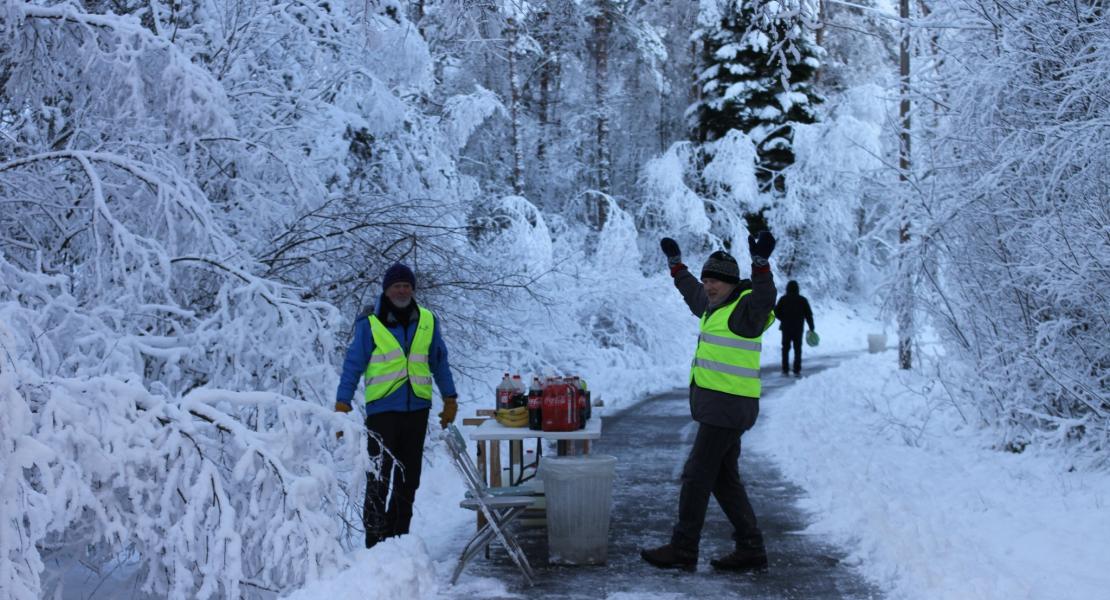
[(691, 289), (750, 317)]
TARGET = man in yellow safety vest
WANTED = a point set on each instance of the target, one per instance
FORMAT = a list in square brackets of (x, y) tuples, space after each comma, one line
[(724, 400), (397, 350)]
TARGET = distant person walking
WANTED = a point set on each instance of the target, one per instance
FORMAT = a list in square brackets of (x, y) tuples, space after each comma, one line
[(724, 400), (793, 311), (398, 352)]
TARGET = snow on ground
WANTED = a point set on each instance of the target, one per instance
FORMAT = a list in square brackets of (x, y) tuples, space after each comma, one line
[(926, 507)]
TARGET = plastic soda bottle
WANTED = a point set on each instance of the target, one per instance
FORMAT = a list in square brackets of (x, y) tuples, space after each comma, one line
[(504, 393), (535, 405), (520, 394)]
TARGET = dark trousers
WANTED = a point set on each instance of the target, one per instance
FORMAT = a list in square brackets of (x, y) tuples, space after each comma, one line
[(713, 468), (789, 338), (399, 449)]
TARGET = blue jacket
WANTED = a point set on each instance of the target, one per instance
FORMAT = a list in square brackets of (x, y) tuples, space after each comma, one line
[(404, 399)]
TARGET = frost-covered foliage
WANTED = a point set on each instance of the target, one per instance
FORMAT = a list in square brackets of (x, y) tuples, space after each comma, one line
[(860, 41), (1012, 214), (195, 194), (824, 219), (215, 494), (670, 204), (700, 204), (594, 314), (558, 50), (825, 222)]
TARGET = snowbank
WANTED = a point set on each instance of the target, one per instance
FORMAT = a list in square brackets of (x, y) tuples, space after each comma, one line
[(396, 568), (931, 511)]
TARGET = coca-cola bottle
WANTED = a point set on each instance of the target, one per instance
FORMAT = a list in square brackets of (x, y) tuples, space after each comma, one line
[(520, 395), (535, 405), (554, 406), (504, 393)]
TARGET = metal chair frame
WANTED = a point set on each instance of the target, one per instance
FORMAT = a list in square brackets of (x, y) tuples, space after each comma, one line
[(498, 511)]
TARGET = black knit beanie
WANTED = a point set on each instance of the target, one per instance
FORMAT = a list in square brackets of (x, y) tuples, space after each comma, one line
[(721, 266), (398, 272)]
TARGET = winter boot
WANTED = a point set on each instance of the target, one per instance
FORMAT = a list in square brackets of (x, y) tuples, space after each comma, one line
[(669, 557), (744, 558)]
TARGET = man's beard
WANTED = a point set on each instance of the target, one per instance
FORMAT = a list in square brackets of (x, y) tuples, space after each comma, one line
[(404, 304)]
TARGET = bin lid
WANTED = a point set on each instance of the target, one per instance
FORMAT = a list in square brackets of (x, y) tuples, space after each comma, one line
[(562, 467)]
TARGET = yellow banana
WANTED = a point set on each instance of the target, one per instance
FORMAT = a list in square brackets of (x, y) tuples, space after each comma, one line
[(512, 417)]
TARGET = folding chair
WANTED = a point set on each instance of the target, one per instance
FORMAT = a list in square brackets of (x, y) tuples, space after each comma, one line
[(499, 510)]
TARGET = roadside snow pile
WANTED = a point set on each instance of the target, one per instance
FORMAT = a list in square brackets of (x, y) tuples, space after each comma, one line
[(932, 511), (395, 568)]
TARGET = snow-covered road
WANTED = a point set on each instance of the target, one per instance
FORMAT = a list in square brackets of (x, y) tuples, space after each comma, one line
[(651, 440)]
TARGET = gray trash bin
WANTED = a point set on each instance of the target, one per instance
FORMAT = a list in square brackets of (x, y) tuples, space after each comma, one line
[(579, 492)]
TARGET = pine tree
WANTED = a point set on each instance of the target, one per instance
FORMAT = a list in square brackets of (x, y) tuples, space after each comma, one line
[(742, 85)]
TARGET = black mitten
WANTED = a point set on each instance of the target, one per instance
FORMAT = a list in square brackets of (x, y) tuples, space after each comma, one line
[(761, 246), (670, 248)]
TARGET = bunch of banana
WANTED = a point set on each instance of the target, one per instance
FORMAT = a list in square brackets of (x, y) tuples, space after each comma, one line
[(512, 417)]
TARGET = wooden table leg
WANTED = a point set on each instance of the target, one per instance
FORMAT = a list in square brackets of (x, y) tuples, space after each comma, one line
[(494, 464), (482, 473), (516, 461), (482, 461)]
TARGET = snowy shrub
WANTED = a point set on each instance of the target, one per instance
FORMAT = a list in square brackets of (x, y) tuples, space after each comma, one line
[(821, 218), (465, 112), (670, 206), (515, 232), (730, 174)]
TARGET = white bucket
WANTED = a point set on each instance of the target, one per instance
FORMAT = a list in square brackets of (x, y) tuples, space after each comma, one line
[(579, 492), (876, 342)]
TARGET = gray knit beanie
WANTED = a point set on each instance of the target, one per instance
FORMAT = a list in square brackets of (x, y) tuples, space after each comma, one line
[(721, 266)]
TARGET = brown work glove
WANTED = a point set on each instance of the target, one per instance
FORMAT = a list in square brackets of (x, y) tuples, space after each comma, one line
[(341, 407), (450, 409)]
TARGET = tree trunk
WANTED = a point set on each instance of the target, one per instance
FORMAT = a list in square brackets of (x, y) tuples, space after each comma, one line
[(547, 77), (822, 16), (906, 301), (602, 26), (513, 34), (695, 89), (544, 111)]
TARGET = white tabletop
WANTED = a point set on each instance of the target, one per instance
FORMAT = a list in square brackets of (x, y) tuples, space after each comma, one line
[(490, 429)]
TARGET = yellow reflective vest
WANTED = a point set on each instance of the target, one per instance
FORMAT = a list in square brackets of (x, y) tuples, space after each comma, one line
[(724, 361), (389, 368)]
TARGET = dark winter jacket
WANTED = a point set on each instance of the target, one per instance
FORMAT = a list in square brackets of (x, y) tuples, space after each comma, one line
[(402, 324), (710, 406), (792, 309)]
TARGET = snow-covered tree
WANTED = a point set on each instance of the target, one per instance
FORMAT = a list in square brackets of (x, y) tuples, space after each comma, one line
[(745, 87), (1010, 196), (197, 197)]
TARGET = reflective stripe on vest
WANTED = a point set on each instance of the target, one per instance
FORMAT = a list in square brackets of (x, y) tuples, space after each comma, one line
[(389, 368), (724, 361)]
